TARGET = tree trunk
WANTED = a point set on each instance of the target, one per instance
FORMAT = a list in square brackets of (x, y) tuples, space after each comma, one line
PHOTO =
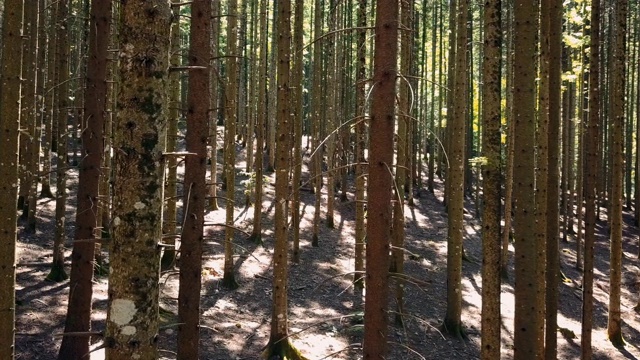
[(230, 119), (592, 136), (614, 324), (256, 234), (380, 178), (132, 316), (61, 110), (491, 102), (455, 178), (552, 223), (9, 125), (195, 186), (527, 331), (297, 126), (90, 168), (360, 114), (279, 345)]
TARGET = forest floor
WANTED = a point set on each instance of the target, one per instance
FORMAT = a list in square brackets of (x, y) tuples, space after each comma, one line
[(324, 322)]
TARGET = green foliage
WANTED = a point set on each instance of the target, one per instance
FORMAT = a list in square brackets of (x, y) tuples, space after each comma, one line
[(249, 183), (478, 161)]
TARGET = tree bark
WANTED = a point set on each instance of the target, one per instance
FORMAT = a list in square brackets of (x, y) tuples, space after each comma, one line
[(614, 324), (132, 316), (455, 178), (9, 125), (380, 178), (491, 116), (526, 324), (90, 168), (197, 139)]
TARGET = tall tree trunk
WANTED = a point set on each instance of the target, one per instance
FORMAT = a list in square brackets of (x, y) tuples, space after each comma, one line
[(256, 234), (230, 119), (455, 178), (542, 165), (61, 111), (508, 188), (90, 168), (361, 143), (380, 178), (297, 126), (11, 73), (614, 324), (132, 316), (527, 330), (552, 224), (195, 186), (215, 106), (491, 116), (29, 116), (317, 119), (279, 345), (590, 180), (170, 215)]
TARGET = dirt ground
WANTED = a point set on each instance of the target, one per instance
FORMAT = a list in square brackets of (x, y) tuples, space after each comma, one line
[(324, 322)]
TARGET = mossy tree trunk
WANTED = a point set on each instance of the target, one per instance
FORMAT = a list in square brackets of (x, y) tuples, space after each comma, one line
[(132, 314)]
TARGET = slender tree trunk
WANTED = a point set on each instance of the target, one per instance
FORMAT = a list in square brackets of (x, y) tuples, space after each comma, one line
[(297, 126), (542, 144), (10, 103), (215, 104), (491, 116), (58, 272), (455, 178), (614, 325), (29, 116), (552, 223), (256, 234), (170, 216), (279, 345), (195, 186), (317, 119), (361, 143), (230, 120), (590, 181), (508, 189), (90, 168)]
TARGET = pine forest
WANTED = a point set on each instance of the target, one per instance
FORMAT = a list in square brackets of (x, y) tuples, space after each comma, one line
[(319, 179)]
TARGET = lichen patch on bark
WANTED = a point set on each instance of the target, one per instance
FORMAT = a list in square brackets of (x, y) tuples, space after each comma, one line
[(123, 311)]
